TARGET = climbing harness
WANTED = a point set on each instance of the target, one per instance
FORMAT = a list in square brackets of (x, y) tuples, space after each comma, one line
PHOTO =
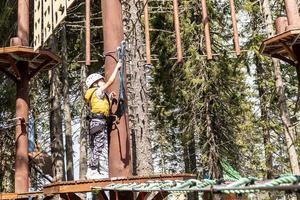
[(95, 120)]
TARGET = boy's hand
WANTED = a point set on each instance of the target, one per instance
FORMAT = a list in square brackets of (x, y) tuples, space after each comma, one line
[(113, 95)]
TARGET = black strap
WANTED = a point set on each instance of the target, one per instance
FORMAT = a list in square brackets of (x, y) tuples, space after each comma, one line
[(121, 108)]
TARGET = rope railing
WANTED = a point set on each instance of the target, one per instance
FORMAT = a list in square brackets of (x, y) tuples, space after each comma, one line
[(243, 185)]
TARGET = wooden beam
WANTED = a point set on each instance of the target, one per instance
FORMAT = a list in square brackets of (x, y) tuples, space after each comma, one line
[(14, 66), (39, 68), (89, 185), (289, 51), (18, 58), (292, 35), (280, 57), (8, 74), (29, 51), (4, 196)]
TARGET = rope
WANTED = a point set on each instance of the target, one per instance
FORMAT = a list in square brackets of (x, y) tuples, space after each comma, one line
[(230, 174), (121, 56), (121, 107), (284, 179), (243, 185)]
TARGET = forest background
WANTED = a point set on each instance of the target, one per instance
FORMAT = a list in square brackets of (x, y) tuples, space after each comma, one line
[(191, 117)]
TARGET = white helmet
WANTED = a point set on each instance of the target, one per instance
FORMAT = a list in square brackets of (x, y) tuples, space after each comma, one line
[(92, 78)]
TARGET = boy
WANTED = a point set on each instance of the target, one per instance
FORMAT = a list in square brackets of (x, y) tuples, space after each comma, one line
[(99, 105)]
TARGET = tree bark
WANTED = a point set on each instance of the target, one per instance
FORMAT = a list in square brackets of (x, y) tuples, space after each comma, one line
[(83, 122), (137, 89), (284, 112), (260, 72), (213, 157), (57, 146), (289, 132), (67, 110)]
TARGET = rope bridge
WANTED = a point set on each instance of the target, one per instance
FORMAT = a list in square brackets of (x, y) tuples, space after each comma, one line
[(241, 186), (163, 184)]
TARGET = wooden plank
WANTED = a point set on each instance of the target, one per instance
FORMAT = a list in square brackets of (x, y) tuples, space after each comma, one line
[(87, 185), (289, 37), (6, 196), (39, 68), (289, 51), (37, 27), (59, 12), (32, 54), (278, 56), (281, 36), (47, 20)]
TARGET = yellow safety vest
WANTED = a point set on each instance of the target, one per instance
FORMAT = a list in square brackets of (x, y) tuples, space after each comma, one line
[(98, 106)]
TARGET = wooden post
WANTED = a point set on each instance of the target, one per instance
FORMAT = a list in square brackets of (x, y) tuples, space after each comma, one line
[(22, 108), (177, 31), (281, 24), (147, 33), (119, 144), (23, 21), (235, 29), (205, 22), (22, 105), (292, 12)]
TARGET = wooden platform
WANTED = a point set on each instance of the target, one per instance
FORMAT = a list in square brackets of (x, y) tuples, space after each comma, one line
[(33, 195), (38, 60), (70, 187), (280, 46)]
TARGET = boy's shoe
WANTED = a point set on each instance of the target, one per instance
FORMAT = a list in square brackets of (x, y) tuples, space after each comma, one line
[(92, 174)]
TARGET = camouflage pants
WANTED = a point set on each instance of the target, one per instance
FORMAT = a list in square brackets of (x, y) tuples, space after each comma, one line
[(98, 144)]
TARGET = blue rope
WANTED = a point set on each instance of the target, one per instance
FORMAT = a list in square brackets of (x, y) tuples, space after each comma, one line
[(121, 55), (31, 144)]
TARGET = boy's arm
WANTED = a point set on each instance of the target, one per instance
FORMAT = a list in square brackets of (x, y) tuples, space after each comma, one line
[(112, 77)]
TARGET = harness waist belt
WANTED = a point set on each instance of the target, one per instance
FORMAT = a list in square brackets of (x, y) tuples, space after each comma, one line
[(98, 116)]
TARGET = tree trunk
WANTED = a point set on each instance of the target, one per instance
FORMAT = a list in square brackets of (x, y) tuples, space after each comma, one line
[(189, 152), (57, 147), (137, 89), (213, 156), (260, 72), (83, 122), (67, 110), (189, 156), (285, 115)]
